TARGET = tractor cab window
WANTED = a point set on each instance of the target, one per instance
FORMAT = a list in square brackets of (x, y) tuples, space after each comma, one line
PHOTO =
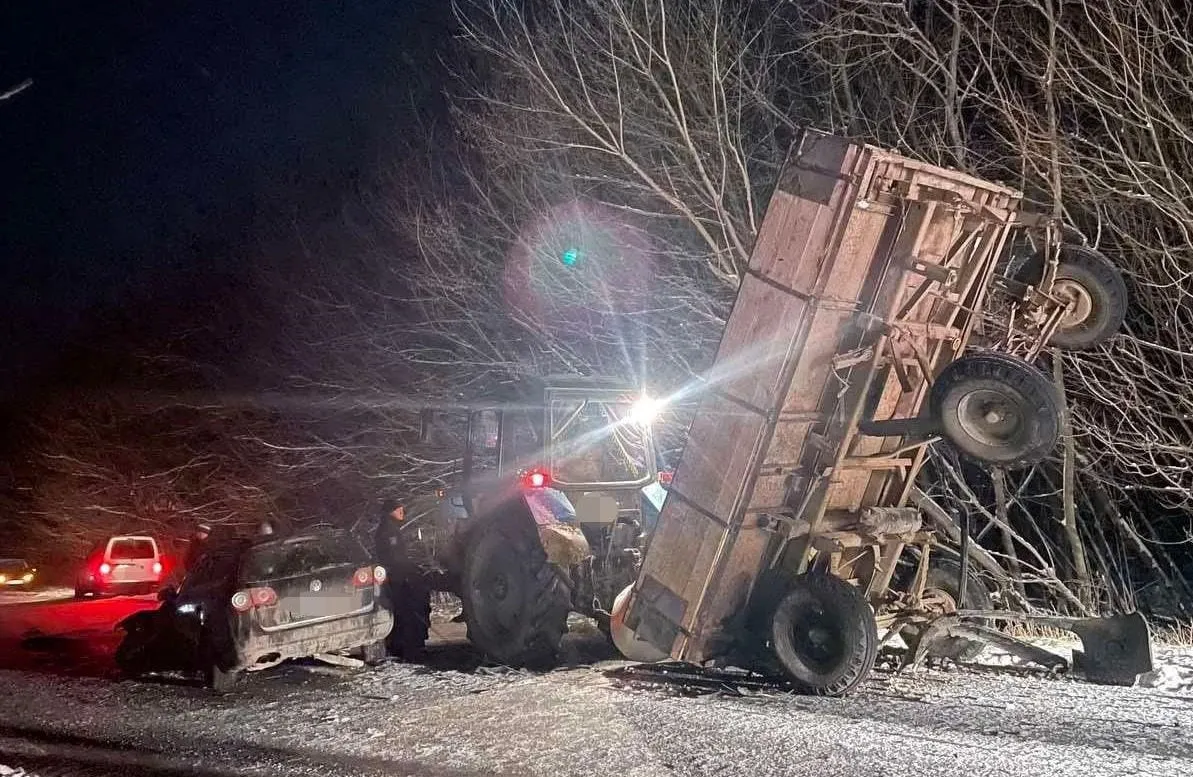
[(597, 442), (484, 436), (521, 441)]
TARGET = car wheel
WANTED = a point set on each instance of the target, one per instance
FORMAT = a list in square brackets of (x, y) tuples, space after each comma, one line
[(997, 409), (824, 635)]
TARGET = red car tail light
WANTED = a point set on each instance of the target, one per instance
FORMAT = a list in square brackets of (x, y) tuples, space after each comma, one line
[(157, 567), (243, 601), (263, 597), (363, 578), (105, 568)]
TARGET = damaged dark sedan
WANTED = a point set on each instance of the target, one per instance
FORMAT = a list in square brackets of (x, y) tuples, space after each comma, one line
[(251, 604)]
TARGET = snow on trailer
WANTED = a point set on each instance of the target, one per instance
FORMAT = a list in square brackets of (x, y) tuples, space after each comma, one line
[(863, 331)]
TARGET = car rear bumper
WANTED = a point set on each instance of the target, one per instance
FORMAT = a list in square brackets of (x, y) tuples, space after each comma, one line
[(327, 637), (121, 587)]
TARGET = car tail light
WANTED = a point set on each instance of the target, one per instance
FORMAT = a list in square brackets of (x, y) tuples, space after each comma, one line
[(665, 478), (243, 601), (364, 577), (263, 597), (379, 574), (105, 568), (157, 567)]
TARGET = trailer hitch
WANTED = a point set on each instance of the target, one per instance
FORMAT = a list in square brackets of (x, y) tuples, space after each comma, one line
[(1116, 649)]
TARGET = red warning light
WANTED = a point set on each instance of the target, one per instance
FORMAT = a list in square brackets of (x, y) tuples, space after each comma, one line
[(536, 479)]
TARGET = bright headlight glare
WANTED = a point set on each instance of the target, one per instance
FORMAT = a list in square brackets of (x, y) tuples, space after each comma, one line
[(645, 411)]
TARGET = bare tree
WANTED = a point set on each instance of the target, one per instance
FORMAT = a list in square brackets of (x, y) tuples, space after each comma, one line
[(1084, 106)]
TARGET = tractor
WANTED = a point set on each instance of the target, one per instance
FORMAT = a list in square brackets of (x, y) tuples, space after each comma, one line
[(547, 515)]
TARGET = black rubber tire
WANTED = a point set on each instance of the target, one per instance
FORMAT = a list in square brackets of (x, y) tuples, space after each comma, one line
[(995, 377), (515, 602), (844, 621), (1101, 283), (944, 573), (130, 654)]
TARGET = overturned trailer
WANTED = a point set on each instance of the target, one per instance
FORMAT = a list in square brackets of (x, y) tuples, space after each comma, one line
[(882, 312)]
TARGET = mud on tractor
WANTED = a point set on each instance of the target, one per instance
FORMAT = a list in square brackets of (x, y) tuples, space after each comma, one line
[(548, 515), (888, 307)]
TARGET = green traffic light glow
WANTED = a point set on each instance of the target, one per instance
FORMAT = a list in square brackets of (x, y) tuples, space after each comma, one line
[(571, 256)]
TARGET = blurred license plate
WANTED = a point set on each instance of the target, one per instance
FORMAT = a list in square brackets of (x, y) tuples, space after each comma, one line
[(317, 606)]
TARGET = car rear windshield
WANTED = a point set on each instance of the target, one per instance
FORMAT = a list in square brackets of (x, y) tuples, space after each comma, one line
[(299, 557), (132, 550)]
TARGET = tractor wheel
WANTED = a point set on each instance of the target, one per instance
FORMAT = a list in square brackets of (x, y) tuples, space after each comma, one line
[(515, 603), (824, 635), (997, 409), (1094, 286), (943, 586)]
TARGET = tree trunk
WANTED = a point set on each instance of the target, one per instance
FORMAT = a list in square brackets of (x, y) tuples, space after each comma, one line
[(1068, 491)]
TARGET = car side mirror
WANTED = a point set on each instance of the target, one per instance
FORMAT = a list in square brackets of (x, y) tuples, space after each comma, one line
[(167, 594)]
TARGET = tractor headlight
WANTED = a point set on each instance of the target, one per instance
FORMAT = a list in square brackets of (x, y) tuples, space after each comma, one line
[(645, 410)]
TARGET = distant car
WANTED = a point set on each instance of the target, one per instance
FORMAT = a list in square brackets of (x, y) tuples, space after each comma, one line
[(122, 565), (251, 604), (16, 572)]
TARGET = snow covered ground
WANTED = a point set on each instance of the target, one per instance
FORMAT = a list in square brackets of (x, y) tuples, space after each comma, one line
[(464, 722), (19, 596)]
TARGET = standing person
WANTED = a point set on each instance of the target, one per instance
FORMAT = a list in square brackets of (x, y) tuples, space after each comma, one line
[(405, 587), (194, 548)]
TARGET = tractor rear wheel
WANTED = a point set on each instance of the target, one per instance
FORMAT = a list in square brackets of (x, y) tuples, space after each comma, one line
[(997, 409), (515, 603), (824, 635)]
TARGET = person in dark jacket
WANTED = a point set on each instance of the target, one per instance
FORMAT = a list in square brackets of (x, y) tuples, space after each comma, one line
[(195, 547), (405, 587)]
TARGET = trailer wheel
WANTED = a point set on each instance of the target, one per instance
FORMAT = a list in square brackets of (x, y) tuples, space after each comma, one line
[(824, 635), (943, 579), (997, 409), (515, 603), (1094, 286)]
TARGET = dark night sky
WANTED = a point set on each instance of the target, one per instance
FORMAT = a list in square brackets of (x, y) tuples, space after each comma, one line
[(158, 132)]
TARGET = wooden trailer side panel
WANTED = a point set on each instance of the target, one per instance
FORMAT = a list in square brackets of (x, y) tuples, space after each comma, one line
[(789, 302)]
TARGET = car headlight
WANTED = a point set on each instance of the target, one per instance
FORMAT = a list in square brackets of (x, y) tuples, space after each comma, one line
[(188, 608), (3, 579), (28, 578)]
